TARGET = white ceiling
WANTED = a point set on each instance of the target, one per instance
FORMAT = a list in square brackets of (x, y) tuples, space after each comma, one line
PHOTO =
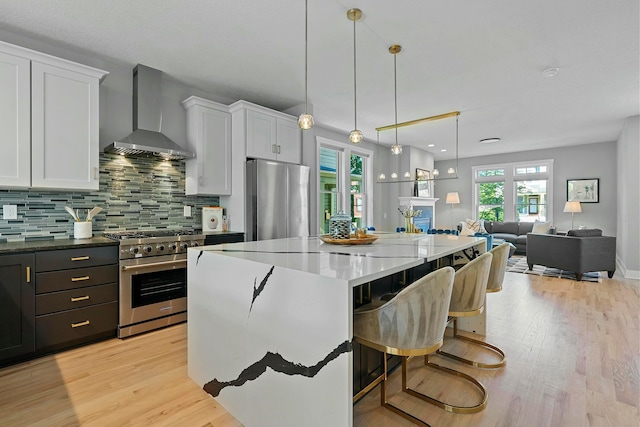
[(482, 58)]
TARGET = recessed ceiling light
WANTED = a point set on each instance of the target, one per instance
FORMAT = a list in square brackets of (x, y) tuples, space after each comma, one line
[(443, 150), (431, 145), (489, 140), (550, 72)]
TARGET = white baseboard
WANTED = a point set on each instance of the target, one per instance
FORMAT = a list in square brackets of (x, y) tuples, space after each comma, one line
[(627, 274)]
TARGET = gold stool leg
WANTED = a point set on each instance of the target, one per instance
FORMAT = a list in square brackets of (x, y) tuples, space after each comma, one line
[(498, 351), (391, 407), (446, 406)]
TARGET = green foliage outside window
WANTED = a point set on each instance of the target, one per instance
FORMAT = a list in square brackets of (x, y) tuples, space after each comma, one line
[(491, 200)]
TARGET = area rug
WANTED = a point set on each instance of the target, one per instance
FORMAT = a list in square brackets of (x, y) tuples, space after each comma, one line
[(518, 264)]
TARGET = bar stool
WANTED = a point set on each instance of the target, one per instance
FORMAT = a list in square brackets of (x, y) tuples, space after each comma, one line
[(411, 324), (494, 284)]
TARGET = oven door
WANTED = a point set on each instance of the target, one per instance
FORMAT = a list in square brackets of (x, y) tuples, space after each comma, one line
[(153, 293)]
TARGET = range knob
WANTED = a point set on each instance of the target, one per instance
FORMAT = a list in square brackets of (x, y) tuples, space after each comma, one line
[(160, 248), (147, 249), (134, 250), (172, 246), (184, 246), (194, 243)]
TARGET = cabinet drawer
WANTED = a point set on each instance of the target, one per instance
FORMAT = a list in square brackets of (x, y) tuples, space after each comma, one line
[(76, 298), (76, 258), (74, 326), (77, 278)]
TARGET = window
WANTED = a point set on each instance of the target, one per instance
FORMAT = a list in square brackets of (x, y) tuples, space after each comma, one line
[(344, 180), (513, 192)]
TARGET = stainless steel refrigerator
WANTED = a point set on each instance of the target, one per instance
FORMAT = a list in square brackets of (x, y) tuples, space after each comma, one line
[(277, 200)]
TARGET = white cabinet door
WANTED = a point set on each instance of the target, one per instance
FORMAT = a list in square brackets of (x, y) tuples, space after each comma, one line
[(64, 109), (209, 136), (15, 121), (289, 146), (261, 135)]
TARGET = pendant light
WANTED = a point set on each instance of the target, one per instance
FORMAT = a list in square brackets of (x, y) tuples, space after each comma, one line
[(396, 148), (355, 136), (305, 121)]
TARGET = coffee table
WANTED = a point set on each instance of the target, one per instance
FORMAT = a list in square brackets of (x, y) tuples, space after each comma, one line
[(498, 242)]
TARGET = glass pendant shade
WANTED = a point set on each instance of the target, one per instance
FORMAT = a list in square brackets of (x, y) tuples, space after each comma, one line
[(451, 171), (305, 121), (382, 177), (396, 149), (436, 172), (394, 175), (407, 175), (355, 136)]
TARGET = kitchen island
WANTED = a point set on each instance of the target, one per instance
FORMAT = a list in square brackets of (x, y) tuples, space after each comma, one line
[(270, 322)]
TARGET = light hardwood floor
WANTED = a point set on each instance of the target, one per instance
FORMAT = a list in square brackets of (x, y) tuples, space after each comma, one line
[(573, 356)]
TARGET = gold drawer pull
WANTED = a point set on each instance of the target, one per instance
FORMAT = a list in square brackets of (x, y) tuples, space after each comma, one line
[(79, 279), (76, 299), (77, 325), (80, 258), (28, 274)]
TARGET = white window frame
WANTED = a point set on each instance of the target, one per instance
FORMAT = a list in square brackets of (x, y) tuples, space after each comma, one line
[(343, 176), (510, 178)]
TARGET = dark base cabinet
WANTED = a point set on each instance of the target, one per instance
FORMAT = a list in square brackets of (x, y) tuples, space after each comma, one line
[(76, 296), (216, 238), (17, 306), (56, 299)]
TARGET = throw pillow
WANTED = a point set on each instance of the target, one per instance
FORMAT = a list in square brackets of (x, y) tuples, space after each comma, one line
[(541, 227), (475, 226)]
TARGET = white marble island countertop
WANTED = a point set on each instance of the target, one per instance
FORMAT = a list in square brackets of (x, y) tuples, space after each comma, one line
[(356, 264), (270, 323)]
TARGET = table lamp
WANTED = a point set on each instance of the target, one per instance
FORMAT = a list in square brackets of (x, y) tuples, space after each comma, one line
[(572, 207), (452, 199)]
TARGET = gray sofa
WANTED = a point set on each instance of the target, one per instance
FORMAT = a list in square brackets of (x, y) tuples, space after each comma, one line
[(512, 232), (579, 251)]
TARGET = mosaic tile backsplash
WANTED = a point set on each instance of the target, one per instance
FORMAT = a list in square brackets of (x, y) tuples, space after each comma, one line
[(135, 193)]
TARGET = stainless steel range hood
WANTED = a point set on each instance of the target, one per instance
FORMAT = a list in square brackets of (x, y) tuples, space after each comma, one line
[(147, 138)]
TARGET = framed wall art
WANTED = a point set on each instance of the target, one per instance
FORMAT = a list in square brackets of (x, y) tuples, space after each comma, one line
[(422, 186), (585, 190)]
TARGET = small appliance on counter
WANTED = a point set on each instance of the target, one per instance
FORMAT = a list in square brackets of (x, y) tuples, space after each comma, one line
[(212, 218)]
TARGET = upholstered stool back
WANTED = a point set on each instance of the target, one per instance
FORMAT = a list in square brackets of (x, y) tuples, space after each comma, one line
[(498, 267), (470, 287), (413, 322)]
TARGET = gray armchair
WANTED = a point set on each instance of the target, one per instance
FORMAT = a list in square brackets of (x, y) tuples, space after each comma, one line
[(579, 251)]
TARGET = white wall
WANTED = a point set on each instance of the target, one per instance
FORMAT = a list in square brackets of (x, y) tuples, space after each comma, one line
[(628, 198), (578, 161)]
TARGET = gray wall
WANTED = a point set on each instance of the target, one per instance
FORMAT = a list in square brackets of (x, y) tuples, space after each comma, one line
[(579, 161), (628, 191)]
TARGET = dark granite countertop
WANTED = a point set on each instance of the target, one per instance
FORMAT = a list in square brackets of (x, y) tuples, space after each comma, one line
[(53, 244), (215, 233)]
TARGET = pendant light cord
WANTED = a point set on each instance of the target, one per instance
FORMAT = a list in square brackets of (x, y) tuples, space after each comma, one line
[(395, 91), (306, 61), (355, 98)]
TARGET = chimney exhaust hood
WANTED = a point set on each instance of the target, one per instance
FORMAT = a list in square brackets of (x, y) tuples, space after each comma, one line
[(147, 138)]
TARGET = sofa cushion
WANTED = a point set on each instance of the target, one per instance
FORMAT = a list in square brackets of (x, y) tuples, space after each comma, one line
[(541, 227), (524, 228), (521, 240), (587, 232), (507, 237), (504, 228)]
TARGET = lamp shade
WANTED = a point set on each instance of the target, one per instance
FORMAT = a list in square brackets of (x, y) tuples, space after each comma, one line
[(453, 198), (571, 207)]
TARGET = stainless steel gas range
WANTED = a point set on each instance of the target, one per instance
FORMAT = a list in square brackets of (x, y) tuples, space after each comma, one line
[(153, 278)]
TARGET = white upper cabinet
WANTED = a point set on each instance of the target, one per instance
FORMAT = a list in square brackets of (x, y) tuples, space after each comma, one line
[(15, 121), (209, 136), (270, 134), (62, 112)]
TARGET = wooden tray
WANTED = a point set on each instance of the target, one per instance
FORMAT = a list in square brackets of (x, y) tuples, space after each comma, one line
[(370, 238)]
